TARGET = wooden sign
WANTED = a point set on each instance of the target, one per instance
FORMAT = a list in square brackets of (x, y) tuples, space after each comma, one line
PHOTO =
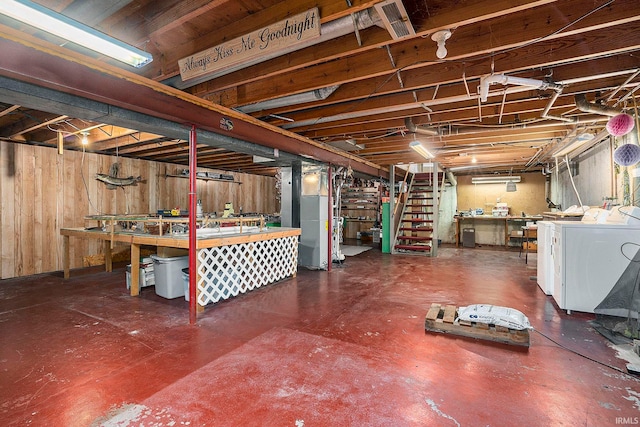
[(266, 41)]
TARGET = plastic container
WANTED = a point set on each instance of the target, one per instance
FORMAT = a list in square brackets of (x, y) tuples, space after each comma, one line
[(168, 275), (185, 282), (146, 277)]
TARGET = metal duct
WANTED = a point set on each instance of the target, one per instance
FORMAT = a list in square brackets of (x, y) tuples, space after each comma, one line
[(586, 107), (331, 30), (452, 178), (413, 128), (299, 98)]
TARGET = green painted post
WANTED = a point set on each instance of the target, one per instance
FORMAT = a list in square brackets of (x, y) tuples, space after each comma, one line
[(386, 228)]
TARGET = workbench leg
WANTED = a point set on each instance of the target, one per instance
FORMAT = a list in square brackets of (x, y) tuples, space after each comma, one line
[(108, 261), (135, 269), (457, 233), (65, 256)]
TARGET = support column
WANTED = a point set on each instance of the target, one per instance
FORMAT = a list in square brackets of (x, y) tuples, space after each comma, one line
[(296, 193), (193, 272), (392, 207)]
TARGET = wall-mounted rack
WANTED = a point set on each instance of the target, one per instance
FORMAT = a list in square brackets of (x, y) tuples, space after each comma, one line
[(203, 178)]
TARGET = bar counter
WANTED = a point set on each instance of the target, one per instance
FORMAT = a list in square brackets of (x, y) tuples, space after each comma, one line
[(252, 259)]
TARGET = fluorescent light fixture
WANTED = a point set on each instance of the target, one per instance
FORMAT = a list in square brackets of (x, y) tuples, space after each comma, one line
[(577, 142), (494, 179), (420, 149), (57, 24)]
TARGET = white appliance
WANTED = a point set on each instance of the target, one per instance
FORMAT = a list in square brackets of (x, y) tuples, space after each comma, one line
[(313, 250), (545, 256), (589, 258)]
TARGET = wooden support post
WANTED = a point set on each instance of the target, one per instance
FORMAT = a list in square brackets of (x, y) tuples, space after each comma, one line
[(135, 269), (108, 260), (65, 256)]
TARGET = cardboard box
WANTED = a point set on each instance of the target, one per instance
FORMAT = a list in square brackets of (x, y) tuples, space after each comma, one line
[(164, 252)]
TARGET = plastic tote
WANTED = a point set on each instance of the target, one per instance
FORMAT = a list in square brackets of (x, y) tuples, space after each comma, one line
[(168, 275), (185, 282)]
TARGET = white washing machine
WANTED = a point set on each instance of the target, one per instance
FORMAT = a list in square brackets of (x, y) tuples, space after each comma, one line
[(589, 258), (545, 256)]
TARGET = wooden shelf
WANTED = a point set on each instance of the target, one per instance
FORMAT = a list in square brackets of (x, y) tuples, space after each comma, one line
[(203, 178), (359, 202)]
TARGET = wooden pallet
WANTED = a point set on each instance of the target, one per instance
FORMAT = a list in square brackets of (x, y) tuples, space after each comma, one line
[(442, 319)]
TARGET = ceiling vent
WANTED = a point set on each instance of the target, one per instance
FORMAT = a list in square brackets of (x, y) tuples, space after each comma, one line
[(395, 18)]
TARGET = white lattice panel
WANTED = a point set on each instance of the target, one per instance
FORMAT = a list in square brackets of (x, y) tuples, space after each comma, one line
[(227, 271)]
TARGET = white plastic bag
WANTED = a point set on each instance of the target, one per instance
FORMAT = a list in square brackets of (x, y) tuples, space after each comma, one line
[(494, 315)]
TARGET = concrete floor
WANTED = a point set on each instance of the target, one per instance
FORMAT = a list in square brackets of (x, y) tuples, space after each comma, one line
[(346, 348)]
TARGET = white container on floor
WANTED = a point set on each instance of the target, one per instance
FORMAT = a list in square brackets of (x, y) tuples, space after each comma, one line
[(168, 275)]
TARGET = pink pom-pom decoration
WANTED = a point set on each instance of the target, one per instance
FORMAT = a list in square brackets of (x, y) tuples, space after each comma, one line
[(620, 125), (627, 155)]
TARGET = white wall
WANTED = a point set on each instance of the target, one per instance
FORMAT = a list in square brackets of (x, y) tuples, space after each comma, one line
[(596, 178), (447, 209)]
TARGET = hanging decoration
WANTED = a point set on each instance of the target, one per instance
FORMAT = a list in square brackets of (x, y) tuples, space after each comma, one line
[(627, 155), (620, 124)]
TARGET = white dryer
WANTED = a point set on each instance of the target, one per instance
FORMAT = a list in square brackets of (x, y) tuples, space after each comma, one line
[(545, 256), (589, 258)]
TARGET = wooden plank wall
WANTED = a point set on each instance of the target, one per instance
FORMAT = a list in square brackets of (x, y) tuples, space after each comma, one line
[(41, 192)]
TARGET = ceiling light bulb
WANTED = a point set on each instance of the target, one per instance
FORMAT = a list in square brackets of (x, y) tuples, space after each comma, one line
[(441, 37), (85, 140), (474, 160)]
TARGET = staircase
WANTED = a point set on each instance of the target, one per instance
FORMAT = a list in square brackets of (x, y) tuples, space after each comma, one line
[(418, 220)]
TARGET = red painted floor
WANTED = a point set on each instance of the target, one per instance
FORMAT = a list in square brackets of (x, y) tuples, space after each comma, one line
[(345, 348)]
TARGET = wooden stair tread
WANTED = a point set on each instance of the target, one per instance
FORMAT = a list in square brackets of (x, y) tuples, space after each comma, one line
[(415, 238), (417, 248), (417, 230)]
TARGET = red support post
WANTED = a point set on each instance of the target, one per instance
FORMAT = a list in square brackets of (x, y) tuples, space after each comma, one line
[(330, 218), (193, 274)]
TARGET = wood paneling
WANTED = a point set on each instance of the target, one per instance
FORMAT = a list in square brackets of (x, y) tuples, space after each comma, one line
[(529, 198), (40, 192)]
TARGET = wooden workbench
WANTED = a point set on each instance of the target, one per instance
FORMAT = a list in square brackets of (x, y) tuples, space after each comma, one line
[(287, 261), (502, 221)]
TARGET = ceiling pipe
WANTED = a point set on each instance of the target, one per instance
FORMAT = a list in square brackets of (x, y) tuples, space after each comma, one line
[(587, 107), (452, 178), (546, 115), (328, 31), (413, 128), (298, 98), (382, 110), (490, 79)]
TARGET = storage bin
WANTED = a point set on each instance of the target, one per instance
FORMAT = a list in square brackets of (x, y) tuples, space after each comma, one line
[(233, 276), (469, 238), (185, 282), (168, 275), (145, 278)]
